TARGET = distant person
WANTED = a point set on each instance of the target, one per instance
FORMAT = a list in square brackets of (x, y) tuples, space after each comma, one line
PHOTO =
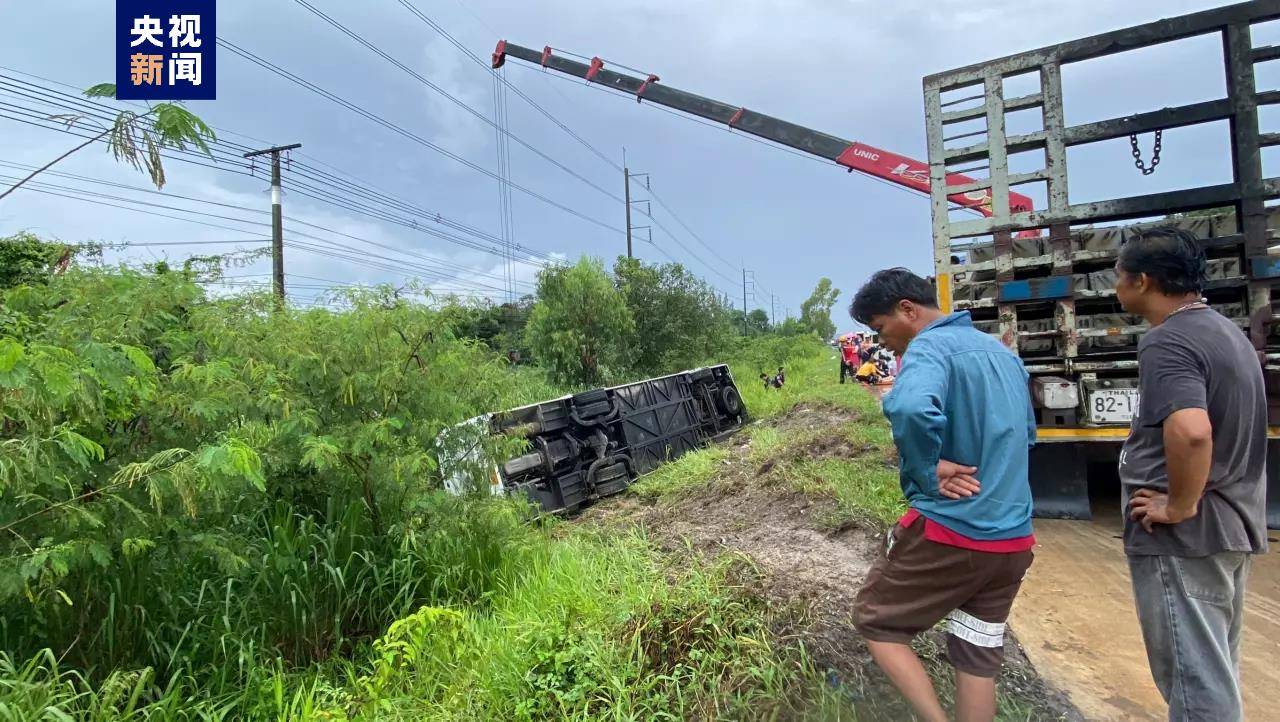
[(1194, 472), (848, 359), (868, 373), (764, 379), (779, 379), (962, 420)]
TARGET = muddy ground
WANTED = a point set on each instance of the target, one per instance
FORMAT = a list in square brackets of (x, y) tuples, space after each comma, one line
[(809, 572)]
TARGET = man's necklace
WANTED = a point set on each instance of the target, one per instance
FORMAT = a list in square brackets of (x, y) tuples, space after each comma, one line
[(1189, 305)]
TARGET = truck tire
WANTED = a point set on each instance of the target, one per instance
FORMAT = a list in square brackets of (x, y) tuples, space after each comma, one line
[(590, 397), (590, 404), (611, 479), (730, 401), (702, 375)]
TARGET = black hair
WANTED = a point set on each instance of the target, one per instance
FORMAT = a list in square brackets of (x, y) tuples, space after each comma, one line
[(1171, 256), (885, 289)]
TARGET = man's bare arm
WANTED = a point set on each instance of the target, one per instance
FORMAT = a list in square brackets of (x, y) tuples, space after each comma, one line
[(1188, 451)]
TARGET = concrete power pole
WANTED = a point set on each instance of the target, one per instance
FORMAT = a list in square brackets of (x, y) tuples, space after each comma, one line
[(277, 217), (626, 181), (773, 309)]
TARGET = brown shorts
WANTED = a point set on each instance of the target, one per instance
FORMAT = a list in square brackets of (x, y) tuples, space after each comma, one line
[(918, 583)]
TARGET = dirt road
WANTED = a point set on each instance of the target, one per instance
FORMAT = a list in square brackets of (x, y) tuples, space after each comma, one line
[(1075, 619)]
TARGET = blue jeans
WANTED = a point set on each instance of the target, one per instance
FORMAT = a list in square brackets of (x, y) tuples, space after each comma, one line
[(1191, 610)]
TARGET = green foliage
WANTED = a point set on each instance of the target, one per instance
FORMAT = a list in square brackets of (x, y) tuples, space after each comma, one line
[(679, 322), (212, 509), (142, 423), (580, 329), (499, 326), (25, 259), (138, 138), (815, 311)]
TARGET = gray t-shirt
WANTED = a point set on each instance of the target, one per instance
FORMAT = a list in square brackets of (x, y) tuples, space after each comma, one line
[(1199, 359)]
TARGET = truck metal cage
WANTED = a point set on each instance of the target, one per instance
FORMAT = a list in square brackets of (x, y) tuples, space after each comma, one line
[(1051, 298), (1239, 239)]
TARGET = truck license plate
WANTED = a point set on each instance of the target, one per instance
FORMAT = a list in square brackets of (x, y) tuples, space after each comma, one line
[(1113, 406)]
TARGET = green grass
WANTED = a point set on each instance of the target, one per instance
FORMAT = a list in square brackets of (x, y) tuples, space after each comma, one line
[(601, 628), (473, 613), (812, 373), (589, 626), (677, 478)]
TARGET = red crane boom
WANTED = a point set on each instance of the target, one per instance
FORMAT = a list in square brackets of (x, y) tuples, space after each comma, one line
[(895, 168)]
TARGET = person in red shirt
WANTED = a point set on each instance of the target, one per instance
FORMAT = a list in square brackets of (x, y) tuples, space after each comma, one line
[(848, 358)]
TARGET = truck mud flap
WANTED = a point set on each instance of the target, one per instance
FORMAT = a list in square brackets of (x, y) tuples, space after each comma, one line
[(1059, 482)]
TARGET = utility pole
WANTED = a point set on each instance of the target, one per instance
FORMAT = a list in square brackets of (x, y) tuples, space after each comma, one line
[(626, 181), (773, 309), (744, 300), (277, 217), (627, 175)]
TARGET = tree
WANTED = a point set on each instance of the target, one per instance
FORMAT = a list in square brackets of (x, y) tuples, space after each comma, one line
[(790, 327), (754, 323), (26, 259), (137, 138), (815, 312), (679, 322), (580, 327), (499, 326)]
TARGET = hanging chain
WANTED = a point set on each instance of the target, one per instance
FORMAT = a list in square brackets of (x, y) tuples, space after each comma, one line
[(1137, 154)]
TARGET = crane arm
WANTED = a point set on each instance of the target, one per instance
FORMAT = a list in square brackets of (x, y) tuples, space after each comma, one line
[(883, 164)]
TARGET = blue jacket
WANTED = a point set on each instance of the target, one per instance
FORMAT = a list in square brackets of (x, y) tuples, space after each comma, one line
[(962, 396)]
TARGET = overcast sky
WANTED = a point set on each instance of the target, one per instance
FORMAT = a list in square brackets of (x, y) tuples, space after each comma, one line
[(849, 68)]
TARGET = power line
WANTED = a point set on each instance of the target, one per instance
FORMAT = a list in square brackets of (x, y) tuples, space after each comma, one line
[(499, 126), (396, 264), (336, 198), (237, 50), (684, 225), (136, 244), (311, 191), (356, 207), (106, 113), (499, 78), (443, 263), (466, 51), (329, 197), (420, 78)]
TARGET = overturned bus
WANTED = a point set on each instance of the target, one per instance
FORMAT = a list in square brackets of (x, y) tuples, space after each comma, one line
[(586, 446)]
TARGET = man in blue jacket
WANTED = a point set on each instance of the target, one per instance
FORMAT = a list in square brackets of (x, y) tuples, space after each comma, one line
[(963, 423)]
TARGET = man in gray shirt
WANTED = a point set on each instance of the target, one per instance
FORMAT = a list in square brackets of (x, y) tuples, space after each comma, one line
[(1194, 472)]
